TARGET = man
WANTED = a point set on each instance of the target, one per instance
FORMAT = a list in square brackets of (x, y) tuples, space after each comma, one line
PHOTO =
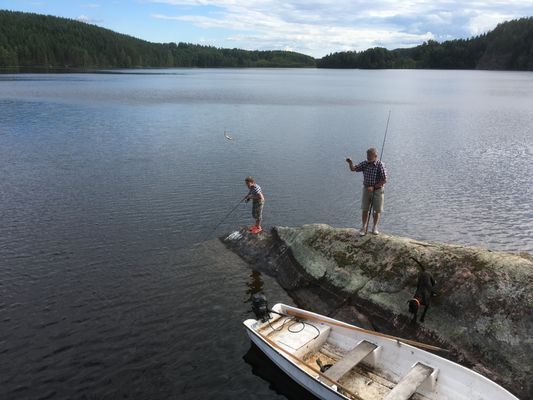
[(374, 177), (256, 194)]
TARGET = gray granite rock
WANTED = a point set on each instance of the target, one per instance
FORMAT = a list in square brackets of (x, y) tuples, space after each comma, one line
[(482, 310)]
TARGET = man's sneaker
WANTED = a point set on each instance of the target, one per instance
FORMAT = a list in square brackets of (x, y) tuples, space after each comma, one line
[(362, 232), (375, 231)]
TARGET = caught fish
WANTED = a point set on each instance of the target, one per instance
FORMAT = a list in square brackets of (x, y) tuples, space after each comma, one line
[(227, 136), (234, 236)]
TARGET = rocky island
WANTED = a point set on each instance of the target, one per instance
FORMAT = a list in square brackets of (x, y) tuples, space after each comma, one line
[(481, 312)]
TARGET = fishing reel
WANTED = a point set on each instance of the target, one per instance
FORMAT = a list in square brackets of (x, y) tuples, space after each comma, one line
[(260, 307)]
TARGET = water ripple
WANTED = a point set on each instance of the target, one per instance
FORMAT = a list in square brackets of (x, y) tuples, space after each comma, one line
[(105, 291)]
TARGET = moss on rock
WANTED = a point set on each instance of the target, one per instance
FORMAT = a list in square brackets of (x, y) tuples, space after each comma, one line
[(484, 299)]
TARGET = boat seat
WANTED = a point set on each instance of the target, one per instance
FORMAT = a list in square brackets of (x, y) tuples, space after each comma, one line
[(410, 382), (350, 360), (308, 339)]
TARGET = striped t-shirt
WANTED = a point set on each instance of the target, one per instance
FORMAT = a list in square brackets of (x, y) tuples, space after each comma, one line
[(255, 190)]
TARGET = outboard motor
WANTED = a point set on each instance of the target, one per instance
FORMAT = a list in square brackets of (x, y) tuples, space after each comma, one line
[(260, 307)]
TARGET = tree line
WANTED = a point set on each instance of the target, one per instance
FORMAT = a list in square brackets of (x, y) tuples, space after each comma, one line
[(508, 47), (34, 40), (30, 40)]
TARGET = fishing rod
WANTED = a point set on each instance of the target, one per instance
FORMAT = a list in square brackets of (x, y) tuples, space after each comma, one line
[(380, 157), (384, 138), (225, 217)]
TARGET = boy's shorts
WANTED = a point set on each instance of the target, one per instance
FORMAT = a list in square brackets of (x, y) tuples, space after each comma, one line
[(376, 200), (257, 209)]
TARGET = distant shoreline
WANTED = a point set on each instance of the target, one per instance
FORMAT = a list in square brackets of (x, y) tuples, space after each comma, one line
[(152, 70), (39, 42)]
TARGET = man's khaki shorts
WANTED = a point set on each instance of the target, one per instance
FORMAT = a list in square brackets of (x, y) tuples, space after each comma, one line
[(376, 198)]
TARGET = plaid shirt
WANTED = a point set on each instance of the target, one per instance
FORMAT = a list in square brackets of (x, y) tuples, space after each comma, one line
[(373, 173)]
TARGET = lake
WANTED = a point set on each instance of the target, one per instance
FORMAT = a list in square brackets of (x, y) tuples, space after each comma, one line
[(112, 282)]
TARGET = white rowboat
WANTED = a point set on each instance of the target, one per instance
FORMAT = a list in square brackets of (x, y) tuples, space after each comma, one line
[(364, 364)]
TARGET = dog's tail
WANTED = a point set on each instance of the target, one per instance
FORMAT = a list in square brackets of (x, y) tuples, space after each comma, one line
[(418, 262)]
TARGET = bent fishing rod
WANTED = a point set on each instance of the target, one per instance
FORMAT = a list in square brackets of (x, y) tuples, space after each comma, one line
[(380, 157), (225, 217)]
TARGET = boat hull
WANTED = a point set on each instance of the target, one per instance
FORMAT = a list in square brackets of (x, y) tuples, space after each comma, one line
[(311, 384), (393, 359)]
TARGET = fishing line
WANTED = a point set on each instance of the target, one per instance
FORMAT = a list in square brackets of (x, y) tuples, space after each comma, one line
[(380, 157), (223, 219)]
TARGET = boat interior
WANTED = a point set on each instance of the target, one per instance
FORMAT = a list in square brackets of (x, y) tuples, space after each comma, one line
[(348, 366)]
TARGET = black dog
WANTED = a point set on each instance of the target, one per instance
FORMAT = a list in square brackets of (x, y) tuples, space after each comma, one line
[(424, 291)]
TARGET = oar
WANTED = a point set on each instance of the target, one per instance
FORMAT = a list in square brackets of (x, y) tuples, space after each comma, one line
[(355, 328)]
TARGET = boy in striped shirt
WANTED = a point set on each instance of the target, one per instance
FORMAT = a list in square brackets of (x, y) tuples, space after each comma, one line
[(258, 200)]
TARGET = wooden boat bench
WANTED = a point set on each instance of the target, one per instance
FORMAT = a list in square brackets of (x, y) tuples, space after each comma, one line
[(350, 360), (305, 339), (410, 382)]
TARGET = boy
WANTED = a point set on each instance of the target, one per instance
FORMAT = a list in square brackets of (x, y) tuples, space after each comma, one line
[(256, 195)]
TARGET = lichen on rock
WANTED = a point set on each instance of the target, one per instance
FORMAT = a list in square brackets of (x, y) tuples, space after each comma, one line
[(481, 311), (484, 298)]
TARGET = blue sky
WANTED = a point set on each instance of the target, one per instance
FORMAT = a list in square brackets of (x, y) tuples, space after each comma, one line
[(313, 27)]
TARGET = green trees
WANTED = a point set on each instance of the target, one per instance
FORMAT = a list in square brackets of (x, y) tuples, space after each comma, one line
[(509, 46), (33, 40)]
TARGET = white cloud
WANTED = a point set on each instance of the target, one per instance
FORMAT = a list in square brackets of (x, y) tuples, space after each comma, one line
[(87, 20), (483, 23), (83, 18), (318, 27)]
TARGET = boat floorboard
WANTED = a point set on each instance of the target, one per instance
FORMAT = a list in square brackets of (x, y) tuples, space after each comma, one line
[(361, 380)]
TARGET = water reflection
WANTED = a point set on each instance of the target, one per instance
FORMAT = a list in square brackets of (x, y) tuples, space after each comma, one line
[(102, 194), (261, 365), (255, 284), (278, 381)]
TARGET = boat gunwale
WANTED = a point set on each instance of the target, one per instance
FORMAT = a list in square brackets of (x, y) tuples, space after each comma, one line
[(283, 308), (268, 341)]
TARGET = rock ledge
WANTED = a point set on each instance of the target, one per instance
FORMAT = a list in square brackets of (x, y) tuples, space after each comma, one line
[(482, 311)]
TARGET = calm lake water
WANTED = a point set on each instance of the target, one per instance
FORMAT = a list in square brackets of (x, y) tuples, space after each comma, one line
[(110, 181)]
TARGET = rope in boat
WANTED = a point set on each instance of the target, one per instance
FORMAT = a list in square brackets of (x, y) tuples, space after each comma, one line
[(294, 321), (292, 316)]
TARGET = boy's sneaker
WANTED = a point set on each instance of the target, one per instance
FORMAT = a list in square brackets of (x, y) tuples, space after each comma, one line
[(252, 228), (256, 229), (362, 232), (375, 231)]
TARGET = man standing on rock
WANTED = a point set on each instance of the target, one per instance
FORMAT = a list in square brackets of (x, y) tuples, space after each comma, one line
[(374, 177)]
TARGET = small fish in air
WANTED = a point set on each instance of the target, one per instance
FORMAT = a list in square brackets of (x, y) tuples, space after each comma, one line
[(234, 236), (227, 136)]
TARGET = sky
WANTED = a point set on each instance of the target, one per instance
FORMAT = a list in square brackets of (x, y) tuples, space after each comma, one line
[(312, 27)]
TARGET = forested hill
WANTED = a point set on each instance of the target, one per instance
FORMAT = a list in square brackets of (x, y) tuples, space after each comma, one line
[(36, 41), (33, 40), (508, 47)]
